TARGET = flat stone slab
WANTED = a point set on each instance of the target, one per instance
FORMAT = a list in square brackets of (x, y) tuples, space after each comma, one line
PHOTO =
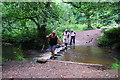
[(41, 60)]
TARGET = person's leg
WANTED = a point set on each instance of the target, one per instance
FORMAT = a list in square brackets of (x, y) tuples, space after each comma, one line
[(53, 52), (71, 40), (66, 43), (66, 46)]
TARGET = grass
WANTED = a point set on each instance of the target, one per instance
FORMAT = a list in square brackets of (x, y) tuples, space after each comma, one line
[(20, 58), (116, 65)]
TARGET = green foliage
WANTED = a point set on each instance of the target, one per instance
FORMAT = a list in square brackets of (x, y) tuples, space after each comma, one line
[(12, 53), (116, 65), (110, 38), (116, 45), (4, 60), (22, 21), (20, 58), (92, 14), (16, 29), (85, 28), (19, 36)]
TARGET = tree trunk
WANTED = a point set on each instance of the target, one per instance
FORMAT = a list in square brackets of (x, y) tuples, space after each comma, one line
[(38, 28), (88, 21)]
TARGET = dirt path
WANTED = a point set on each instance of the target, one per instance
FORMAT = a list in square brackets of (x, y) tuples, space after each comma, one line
[(56, 69), (88, 38), (61, 69)]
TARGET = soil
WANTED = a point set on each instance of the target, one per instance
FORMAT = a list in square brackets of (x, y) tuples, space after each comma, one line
[(56, 69), (88, 37), (60, 69)]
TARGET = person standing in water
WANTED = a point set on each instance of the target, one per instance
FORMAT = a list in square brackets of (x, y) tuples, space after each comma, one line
[(72, 36), (53, 42), (66, 38)]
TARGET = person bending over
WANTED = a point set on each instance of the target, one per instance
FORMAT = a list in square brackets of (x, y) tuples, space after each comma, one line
[(53, 42)]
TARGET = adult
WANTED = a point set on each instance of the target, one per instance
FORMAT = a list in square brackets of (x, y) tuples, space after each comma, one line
[(72, 36), (53, 42), (66, 37)]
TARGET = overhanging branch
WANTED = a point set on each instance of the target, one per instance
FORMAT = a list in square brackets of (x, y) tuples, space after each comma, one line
[(32, 18)]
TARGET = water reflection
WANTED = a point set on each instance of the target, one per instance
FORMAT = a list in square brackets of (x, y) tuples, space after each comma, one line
[(94, 55)]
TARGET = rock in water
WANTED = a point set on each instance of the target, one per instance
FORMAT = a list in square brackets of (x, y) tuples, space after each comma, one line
[(41, 60)]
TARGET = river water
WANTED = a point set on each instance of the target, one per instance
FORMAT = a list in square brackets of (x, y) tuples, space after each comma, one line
[(93, 55)]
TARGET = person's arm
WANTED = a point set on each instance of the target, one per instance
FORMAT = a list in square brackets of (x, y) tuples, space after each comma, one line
[(62, 34), (68, 36), (60, 41), (48, 36), (75, 33)]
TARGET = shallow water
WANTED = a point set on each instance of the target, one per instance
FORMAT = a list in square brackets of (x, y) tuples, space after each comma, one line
[(94, 55)]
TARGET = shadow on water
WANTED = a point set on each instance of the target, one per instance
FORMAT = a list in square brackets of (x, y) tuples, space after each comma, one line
[(94, 55)]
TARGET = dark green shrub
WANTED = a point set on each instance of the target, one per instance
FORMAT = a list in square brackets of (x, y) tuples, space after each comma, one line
[(116, 65), (110, 38)]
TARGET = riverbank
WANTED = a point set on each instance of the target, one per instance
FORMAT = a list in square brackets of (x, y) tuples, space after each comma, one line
[(56, 69)]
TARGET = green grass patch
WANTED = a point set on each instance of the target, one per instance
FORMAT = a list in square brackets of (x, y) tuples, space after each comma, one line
[(116, 65), (20, 58)]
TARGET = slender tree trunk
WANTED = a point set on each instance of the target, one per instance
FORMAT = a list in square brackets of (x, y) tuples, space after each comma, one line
[(38, 27), (88, 21)]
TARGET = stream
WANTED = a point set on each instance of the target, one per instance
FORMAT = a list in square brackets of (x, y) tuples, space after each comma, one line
[(82, 54)]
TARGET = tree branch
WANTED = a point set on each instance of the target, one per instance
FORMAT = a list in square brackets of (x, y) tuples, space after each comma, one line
[(32, 18)]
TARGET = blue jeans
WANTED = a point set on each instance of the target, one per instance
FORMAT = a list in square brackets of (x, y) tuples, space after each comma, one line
[(52, 47), (72, 40)]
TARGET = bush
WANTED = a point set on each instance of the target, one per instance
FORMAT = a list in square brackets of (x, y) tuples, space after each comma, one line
[(110, 38), (18, 36), (24, 37), (116, 65), (13, 53), (20, 58)]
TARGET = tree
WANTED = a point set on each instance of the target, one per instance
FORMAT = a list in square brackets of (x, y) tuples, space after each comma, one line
[(17, 16), (90, 9), (38, 12)]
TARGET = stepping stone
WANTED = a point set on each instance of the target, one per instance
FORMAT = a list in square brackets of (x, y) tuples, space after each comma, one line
[(41, 60)]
